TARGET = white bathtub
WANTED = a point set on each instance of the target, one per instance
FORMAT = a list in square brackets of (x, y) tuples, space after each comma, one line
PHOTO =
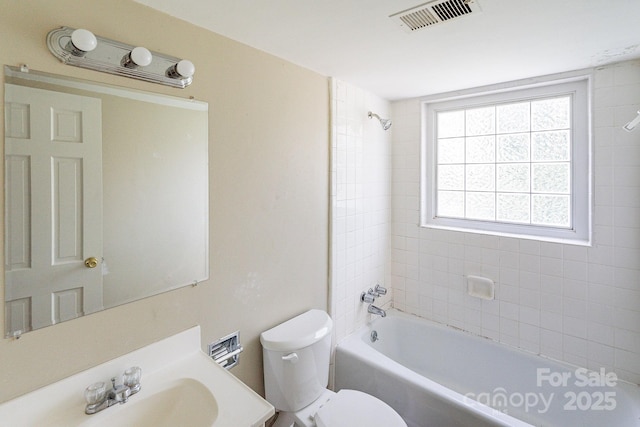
[(433, 375)]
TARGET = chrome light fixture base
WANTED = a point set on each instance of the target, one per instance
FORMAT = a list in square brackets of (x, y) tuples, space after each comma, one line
[(110, 56)]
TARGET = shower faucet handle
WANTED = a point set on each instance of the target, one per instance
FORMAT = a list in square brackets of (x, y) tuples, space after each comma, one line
[(379, 290), (368, 297)]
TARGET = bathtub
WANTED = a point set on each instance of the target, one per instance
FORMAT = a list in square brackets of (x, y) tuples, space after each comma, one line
[(434, 375)]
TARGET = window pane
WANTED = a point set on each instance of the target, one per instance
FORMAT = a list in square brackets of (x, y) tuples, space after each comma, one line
[(481, 121), (450, 124), (451, 177), (513, 148), (550, 114), (481, 149), (550, 146), (451, 150), (550, 210), (513, 208), (513, 118), (481, 206), (481, 177), (450, 204), (550, 177), (510, 162), (514, 177)]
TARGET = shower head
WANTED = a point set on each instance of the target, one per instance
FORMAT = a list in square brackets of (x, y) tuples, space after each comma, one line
[(385, 123)]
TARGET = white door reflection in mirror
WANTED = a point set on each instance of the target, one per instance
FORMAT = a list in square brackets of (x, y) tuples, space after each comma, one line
[(53, 166)]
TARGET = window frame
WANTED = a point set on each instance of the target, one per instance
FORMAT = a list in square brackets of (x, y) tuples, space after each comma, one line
[(579, 86)]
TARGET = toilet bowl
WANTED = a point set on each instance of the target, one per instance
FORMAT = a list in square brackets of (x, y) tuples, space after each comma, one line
[(296, 358)]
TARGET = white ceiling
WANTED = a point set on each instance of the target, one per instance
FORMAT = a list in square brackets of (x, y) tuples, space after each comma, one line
[(356, 41)]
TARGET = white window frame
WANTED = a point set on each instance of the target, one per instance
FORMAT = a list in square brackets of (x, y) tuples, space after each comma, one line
[(576, 84)]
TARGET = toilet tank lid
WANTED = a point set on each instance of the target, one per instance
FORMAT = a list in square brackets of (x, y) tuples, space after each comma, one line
[(298, 332)]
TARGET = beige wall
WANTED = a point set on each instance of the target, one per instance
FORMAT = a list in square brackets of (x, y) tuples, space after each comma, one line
[(268, 156)]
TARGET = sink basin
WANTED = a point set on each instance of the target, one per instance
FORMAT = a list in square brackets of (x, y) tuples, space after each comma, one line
[(182, 400), (181, 386)]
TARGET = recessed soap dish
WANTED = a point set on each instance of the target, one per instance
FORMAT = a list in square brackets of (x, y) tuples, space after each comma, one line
[(480, 287)]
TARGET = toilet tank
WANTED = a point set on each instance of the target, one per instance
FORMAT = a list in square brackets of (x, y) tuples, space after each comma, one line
[(296, 356)]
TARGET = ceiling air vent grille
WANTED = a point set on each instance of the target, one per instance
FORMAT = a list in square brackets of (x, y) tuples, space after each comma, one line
[(434, 12)]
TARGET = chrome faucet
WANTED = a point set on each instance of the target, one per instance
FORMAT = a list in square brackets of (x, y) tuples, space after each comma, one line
[(119, 393), (98, 399), (370, 296), (376, 310)]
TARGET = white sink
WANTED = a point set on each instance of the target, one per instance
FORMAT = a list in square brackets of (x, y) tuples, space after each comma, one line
[(170, 405), (180, 386)]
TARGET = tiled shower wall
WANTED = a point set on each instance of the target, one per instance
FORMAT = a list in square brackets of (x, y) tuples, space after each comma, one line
[(572, 303), (360, 205)]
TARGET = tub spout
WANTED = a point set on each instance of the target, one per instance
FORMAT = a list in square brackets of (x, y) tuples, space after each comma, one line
[(376, 310)]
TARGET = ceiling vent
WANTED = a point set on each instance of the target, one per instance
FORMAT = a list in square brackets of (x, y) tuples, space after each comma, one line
[(434, 12)]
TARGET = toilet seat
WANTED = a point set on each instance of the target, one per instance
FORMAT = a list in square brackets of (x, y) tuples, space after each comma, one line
[(351, 408)]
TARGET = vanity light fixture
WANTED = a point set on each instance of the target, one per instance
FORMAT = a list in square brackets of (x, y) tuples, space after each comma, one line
[(81, 48)]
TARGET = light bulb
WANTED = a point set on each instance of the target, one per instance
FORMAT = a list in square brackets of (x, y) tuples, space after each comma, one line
[(83, 41), (183, 68), (141, 56)]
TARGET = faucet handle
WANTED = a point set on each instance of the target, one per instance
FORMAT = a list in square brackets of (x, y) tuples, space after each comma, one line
[(368, 297), (131, 378), (96, 397), (95, 393), (379, 290)]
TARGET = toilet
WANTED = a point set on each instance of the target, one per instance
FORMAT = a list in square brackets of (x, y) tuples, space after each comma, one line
[(296, 357)]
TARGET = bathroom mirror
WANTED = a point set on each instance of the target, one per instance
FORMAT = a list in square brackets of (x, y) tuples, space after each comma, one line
[(106, 197)]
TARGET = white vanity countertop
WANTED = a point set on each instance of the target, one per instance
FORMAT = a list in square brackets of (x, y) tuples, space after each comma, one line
[(175, 358)]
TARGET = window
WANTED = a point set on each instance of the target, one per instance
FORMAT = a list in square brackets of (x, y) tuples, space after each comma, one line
[(514, 162)]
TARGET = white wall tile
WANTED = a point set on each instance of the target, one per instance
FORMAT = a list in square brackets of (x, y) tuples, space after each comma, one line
[(603, 334), (604, 77), (551, 303), (551, 320), (551, 266), (361, 242), (573, 303), (551, 343), (529, 315), (530, 247), (600, 313), (530, 334), (575, 289), (600, 356)]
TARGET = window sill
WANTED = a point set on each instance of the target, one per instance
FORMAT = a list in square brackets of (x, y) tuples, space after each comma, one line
[(565, 241)]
